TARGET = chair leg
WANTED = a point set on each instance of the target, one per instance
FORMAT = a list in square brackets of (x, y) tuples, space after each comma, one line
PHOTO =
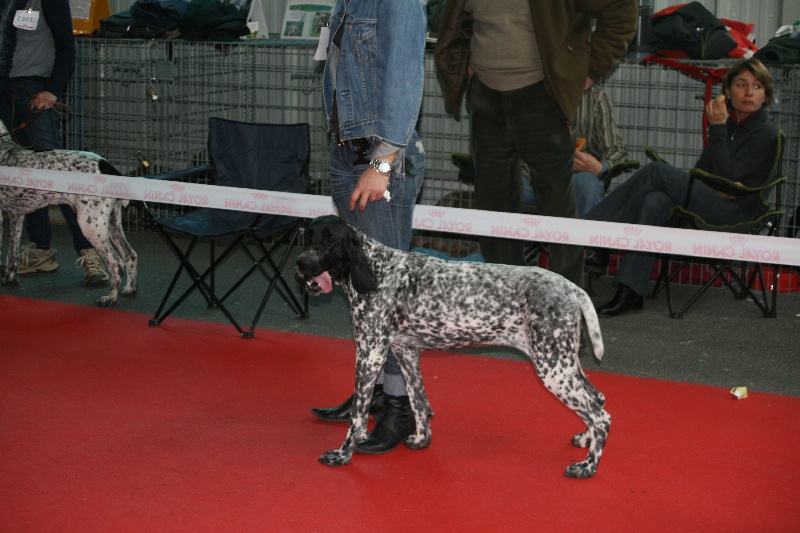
[(198, 282), (768, 301)]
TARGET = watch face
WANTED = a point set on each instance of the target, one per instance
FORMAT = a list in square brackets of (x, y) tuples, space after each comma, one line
[(384, 167)]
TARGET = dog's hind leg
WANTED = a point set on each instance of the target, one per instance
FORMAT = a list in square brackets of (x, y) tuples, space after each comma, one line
[(14, 237), (93, 217), (408, 359), (129, 258), (559, 369)]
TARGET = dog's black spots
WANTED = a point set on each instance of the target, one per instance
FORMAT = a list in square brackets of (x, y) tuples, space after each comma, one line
[(412, 302), (99, 217)]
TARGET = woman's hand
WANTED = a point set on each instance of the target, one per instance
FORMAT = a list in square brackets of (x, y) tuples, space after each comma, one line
[(42, 100), (370, 188), (717, 110)]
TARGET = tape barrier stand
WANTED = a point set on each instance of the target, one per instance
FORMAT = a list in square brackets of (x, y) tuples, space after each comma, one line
[(733, 246)]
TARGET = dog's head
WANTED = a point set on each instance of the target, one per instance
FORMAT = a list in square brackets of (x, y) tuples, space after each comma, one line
[(333, 254)]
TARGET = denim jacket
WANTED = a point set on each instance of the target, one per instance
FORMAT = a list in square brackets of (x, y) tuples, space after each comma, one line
[(378, 71)]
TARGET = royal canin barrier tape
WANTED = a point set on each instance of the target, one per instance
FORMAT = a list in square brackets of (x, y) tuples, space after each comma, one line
[(752, 248)]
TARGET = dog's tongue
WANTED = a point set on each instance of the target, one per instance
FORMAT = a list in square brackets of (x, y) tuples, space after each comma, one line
[(324, 281)]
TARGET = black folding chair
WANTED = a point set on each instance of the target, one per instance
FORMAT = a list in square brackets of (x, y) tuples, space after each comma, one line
[(738, 276), (269, 157)]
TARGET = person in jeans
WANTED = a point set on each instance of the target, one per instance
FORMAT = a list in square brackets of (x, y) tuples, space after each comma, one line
[(36, 60), (524, 65), (373, 83), (742, 143)]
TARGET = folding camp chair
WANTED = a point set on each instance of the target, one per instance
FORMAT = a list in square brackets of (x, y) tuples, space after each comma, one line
[(741, 279), (267, 157)]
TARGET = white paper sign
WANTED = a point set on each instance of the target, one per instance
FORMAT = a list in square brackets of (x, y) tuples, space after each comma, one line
[(322, 48)]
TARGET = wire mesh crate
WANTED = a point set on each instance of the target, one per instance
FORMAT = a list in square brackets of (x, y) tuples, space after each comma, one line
[(114, 112)]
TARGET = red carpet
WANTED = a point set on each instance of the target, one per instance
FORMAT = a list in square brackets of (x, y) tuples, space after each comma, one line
[(107, 424)]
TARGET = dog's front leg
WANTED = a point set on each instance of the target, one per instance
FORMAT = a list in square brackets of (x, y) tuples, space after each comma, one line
[(14, 237), (408, 359), (368, 365)]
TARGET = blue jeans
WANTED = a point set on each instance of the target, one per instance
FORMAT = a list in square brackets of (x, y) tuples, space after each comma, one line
[(43, 133), (588, 192), (647, 198), (389, 223)]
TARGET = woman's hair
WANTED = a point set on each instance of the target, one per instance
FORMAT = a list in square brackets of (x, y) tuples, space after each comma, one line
[(757, 69)]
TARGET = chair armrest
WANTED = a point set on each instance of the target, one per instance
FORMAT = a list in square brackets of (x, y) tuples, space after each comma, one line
[(727, 186), (652, 155), (180, 174), (616, 170)]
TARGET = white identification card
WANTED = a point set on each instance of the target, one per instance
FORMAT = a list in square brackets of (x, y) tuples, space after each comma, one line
[(322, 48), (26, 20)]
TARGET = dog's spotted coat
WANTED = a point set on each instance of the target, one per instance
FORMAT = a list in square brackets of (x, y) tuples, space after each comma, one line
[(412, 302), (99, 217)]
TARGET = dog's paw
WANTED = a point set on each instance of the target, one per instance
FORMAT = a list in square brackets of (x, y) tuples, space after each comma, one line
[(335, 458), (582, 440), (11, 282), (127, 292), (581, 470), (105, 301), (417, 442)]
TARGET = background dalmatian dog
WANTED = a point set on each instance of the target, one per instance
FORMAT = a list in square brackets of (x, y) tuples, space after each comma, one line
[(99, 217), (412, 301)]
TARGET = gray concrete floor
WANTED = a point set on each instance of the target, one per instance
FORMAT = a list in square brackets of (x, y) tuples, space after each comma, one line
[(721, 341)]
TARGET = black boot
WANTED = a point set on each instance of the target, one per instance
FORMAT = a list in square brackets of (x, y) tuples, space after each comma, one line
[(625, 300), (596, 260), (393, 426), (341, 413)]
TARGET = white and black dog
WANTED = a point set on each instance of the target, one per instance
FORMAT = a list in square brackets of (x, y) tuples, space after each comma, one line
[(411, 302), (99, 217)]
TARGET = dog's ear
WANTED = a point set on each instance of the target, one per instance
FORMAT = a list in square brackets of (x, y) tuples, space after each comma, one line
[(361, 274)]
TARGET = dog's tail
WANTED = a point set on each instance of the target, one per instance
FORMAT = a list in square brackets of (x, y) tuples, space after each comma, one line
[(592, 322)]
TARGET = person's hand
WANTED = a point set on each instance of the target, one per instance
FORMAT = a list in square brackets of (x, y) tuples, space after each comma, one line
[(370, 188), (42, 100), (717, 110), (587, 163)]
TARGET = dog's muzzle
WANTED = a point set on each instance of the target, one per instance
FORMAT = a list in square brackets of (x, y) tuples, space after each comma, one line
[(320, 284)]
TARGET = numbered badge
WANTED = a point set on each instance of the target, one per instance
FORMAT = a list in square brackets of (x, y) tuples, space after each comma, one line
[(26, 19)]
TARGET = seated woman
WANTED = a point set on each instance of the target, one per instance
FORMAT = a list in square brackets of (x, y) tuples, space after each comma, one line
[(742, 141)]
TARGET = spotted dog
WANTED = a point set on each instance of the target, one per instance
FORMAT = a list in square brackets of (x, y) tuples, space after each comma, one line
[(411, 302), (99, 217)]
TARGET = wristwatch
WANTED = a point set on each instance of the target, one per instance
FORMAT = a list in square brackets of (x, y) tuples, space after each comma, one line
[(383, 167)]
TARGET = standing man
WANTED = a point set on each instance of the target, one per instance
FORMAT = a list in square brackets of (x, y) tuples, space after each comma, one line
[(37, 55), (524, 65)]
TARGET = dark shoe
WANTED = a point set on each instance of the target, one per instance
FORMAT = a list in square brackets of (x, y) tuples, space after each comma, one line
[(341, 413), (596, 260), (625, 300), (393, 426)]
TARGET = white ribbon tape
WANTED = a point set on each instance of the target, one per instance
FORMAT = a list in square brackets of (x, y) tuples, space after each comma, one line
[(753, 248)]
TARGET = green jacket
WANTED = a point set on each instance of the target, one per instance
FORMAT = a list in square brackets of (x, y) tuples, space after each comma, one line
[(570, 50)]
